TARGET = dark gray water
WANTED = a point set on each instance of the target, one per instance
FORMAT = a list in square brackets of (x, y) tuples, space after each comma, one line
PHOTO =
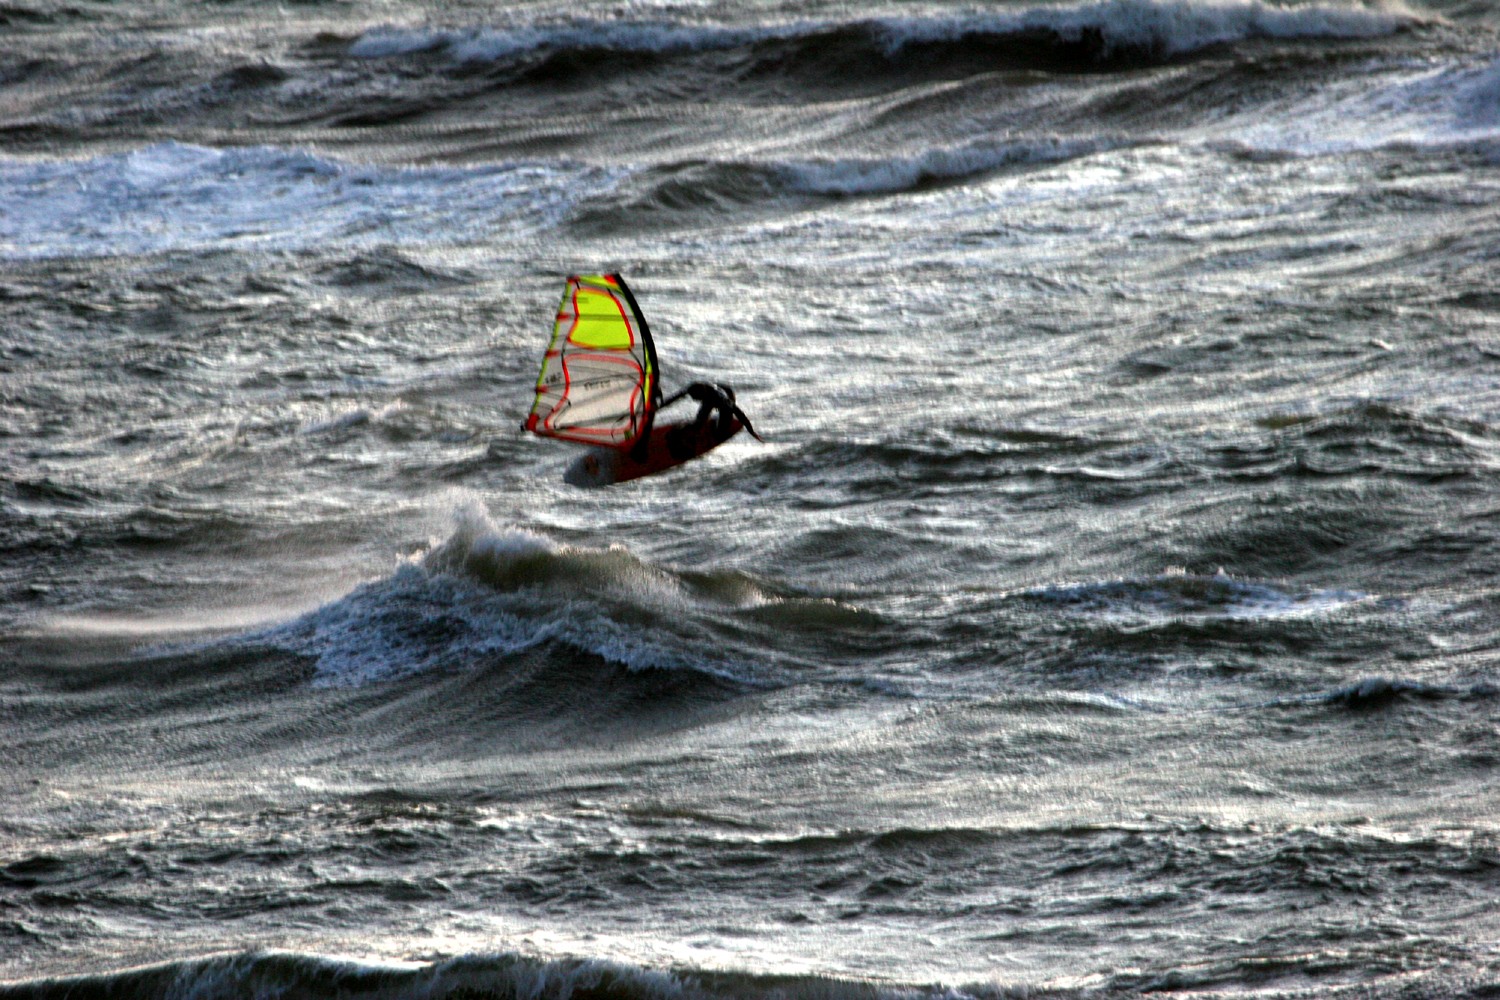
[(1112, 608)]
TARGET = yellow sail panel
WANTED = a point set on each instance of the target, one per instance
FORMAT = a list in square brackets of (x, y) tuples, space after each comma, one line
[(598, 380)]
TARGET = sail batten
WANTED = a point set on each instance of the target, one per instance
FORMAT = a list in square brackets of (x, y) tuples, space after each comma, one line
[(598, 383)]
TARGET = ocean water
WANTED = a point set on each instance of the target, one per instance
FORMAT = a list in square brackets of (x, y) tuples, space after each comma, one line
[(1112, 609)]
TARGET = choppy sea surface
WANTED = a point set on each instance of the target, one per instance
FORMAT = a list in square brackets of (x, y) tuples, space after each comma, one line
[(1112, 609)]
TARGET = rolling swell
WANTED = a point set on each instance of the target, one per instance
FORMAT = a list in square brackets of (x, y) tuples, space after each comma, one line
[(687, 190), (1017, 887), (1050, 37)]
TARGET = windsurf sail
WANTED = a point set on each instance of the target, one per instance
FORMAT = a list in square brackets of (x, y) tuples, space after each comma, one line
[(598, 383)]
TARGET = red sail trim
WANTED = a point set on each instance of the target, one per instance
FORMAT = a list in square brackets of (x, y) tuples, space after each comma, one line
[(598, 382)]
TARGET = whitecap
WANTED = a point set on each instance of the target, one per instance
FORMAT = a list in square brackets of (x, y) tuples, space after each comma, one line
[(173, 196), (487, 591), (1165, 27)]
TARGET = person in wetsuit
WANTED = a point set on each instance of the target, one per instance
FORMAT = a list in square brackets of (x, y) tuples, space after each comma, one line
[(716, 407)]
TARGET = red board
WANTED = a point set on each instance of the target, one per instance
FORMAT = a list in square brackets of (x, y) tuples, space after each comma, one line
[(606, 466)]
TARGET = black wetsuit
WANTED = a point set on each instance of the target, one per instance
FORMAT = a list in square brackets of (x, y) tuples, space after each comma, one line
[(716, 405), (715, 402)]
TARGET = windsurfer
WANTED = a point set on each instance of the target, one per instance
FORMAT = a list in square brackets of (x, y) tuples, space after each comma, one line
[(716, 408), (600, 385)]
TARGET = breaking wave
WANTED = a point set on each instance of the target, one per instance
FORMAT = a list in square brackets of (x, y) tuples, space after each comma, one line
[(486, 593), (1108, 29)]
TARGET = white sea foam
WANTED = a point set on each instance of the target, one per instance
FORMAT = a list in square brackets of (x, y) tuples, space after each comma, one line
[(172, 196), (1166, 27), (1422, 106)]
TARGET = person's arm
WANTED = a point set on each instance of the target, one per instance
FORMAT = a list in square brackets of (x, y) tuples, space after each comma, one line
[(739, 415)]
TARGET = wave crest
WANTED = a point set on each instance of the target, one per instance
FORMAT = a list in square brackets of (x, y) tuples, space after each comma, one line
[(888, 174), (1106, 29), (486, 593)]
